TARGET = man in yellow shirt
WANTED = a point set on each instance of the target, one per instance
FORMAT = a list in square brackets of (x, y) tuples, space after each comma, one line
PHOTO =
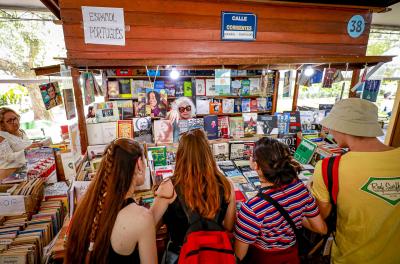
[(368, 202)]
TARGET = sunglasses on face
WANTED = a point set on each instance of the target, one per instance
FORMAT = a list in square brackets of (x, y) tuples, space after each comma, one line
[(12, 120), (187, 108)]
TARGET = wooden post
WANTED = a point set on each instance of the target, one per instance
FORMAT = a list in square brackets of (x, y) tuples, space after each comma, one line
[(355, 77), (296, 91), (393, 131), (275, 95), (80, 109)]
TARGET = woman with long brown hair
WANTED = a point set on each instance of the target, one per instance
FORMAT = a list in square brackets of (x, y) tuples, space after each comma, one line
[(199, 184), (108, 227)]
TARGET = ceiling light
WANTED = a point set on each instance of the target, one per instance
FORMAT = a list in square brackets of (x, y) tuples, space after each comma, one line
[(174, 74), (309, 71)]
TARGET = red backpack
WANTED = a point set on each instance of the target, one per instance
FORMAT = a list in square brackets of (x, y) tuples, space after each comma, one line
[(206, 242)]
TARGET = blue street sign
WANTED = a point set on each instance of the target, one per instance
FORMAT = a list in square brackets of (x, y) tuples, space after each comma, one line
[(238, 26), (356, 26)]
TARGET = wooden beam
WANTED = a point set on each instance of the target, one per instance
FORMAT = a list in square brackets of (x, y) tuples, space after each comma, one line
[(53, 6), (296, 91), (80, 109), (354, 80), (275, 96), (47, 70), (393, 131)]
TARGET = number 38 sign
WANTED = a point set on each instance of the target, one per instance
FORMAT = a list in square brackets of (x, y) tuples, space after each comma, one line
[(356, 26)]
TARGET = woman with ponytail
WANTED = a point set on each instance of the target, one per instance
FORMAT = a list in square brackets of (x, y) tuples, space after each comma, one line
[(108, 226), (262, 234)]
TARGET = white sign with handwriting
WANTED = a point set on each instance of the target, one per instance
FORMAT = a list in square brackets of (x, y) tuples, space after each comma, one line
[(104, 25), (12, 205)]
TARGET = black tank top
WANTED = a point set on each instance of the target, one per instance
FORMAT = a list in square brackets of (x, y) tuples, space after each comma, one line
[(177, 223), (133, 258)]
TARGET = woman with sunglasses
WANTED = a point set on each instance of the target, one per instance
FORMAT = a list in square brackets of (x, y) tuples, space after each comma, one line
[(13, 143), (182, 109)]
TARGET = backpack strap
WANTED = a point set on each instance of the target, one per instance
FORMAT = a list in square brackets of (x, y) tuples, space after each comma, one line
[(282, 210), (330, 173)]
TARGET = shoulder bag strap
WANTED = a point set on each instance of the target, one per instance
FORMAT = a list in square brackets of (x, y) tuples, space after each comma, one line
[(283, 212), (330, 173)]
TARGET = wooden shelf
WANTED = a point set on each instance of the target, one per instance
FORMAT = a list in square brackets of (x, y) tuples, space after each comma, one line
[(231, 96), (183, 77), (235, 114)]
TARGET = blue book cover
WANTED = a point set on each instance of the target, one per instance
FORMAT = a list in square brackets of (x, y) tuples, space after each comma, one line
[(211, 126), (246, 105), (159, 85), (371, 90), (238, 105), (283, 123)]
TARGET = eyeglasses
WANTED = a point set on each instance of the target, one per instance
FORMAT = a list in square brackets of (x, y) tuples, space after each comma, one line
[(187, 108), (12, 120)]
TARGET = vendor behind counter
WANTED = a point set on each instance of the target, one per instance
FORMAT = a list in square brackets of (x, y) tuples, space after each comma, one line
[(13, 143)]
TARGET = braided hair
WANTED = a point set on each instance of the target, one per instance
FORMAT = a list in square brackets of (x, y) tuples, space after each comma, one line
[(276, 162), (90, 232)]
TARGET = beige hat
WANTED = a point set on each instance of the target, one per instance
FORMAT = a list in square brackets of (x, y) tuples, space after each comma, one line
[(355, 117)]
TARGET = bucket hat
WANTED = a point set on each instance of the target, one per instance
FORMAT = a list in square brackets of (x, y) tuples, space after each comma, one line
[(355, 117)]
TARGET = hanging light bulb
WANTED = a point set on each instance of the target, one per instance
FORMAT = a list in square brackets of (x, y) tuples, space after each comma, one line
[(309, 71), (174, 74)]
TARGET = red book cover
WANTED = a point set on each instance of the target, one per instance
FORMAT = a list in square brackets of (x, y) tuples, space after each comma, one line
[(253, 105)]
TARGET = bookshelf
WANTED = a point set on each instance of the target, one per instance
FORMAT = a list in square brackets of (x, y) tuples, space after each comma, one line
[(180, 77), (235, 114)]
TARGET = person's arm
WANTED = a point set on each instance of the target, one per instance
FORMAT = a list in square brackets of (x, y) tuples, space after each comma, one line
[(230, 215), (320, 192), (147, 241), (241, 249), (165, 195), (315, 224), (7, 154)]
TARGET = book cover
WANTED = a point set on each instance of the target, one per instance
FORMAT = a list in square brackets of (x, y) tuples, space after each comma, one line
[(195, 123), (113, 89), (200, 87), (211, 126), (290, 140), (287, 83), (246, 105), (261, 104), (328, 77), (216, 107), (159, 84), (187, 89), (283, 123), (228, 105), (159, 155), (294, 121), (223, 127), (245, 87), (171, 154), (223, 81), (69, 103), (125, 90), (236, 151), (163, 131), (143, 129), (250, 124), (255, 87), (125, 109), (135, 85), (106, 111), (306, 120), (238, 105), (253, 105), (124, 129), (203, 106), (179, 90), (229, 169), (170, 86), (210, 87), (236, 126), (236, 87), (267, 125), (248, 150), (221, 151), (269, 104), (371, 90), (183, 126), (51, 95), (156, 102), (305, 151), (141, 104)]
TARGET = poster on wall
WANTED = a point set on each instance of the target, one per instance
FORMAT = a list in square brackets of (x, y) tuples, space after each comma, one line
[(103, 25), (286, 84), (51, 94), (69, 103), (88, 87)]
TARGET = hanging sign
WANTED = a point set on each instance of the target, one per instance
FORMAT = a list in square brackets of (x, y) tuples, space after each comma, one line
[(238, 26), (356, 26), (12, 204), (103, 25)]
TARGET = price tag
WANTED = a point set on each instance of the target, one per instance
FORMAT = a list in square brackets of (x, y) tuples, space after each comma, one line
[(12, 205), (356, 26)]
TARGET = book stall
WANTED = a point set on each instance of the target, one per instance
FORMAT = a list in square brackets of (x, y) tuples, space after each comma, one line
[(168, 76)]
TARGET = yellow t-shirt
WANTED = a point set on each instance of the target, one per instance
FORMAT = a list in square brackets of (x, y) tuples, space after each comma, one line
[(368, 223)]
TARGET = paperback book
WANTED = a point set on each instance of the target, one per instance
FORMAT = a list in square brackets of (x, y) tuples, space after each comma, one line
[(267, 125), (125, 109), (261, 104), (159, 155), (246, 105), (143, 130), (237, 105), (221, 151), (106, 111), (124, 129), (255, 88), (250, 124), (170, 87), (203, 106), (236, 87), (236, 126), (223, 127), (211, 126), (228, 105), (210, 87), (163, 131), (179, 89), (125, 90), (200, 87), (253, 105), (187, 89), (245, 87), (216, 107), (236, 150), (294, 121), (113, 89), (290, 140), (305, 151), (283, 123)]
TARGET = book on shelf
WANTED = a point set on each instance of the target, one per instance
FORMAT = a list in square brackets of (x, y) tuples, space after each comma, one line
[(156, 102), (236, 126), (223, 81), (294, 121), (248, 149), (253, 105), (135, 85), (290, 140), (203, 106), (306, 120), (245, 87), (113, 89), (200, 87), (171, 154), (283, 122), (246, 105), (228, 105), (267, 125), (216, 107), (269, 103), (236, 150), (179, 90), (161, 173), (255, 88), (236, 87), (210, 87), (163, 131), (250, 124), (125, 90), (106, 111), (170, 87), (141, 104), (195, 123), (223, 127), (143, 129), (261, 104), (237, 105), (158, 155), (125, 109), (211, 126), (220, 151), (124, 129), (187, 89), (305, 151), (159, 84)]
